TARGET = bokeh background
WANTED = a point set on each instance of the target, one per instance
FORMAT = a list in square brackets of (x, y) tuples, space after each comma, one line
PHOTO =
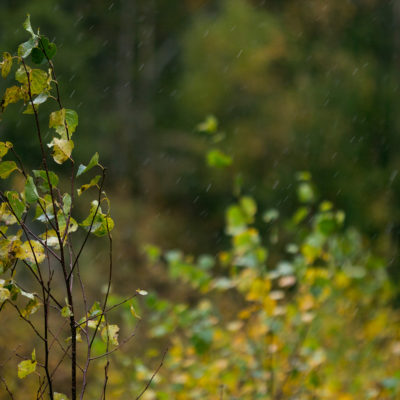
[(296, 85)]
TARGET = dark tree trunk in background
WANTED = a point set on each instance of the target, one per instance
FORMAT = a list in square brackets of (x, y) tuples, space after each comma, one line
[(396, 26), (124, 86), (135, 74), (144, 93)]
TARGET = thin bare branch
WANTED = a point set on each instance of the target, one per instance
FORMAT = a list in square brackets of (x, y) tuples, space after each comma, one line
[(107, 310), (27, 321), (126, 340), (7, 388), (153, 376)]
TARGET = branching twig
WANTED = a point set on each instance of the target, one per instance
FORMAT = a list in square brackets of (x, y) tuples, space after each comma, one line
[(107, 310)]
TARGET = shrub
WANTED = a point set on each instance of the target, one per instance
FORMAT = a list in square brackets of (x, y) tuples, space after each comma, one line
[(37, 224)]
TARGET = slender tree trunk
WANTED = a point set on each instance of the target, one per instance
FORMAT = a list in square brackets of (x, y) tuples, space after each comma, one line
[(396, 28), (144, 94), (124, 86)]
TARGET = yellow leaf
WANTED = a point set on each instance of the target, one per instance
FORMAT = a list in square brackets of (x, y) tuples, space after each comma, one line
[(62, 149), (25, 252), (4, 294), (57, 118), (6, 64), (13, 94), (25, 368), (110, 333)]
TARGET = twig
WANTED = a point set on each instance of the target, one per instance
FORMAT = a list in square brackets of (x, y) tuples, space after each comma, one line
[(153, 376), (90, 226), (103, 395), (90, 341), (106, 311), (7, 388), (126, 340), (27, 320)]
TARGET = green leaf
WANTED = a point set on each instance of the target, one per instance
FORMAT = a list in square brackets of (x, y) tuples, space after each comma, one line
[(16, 203), (29, 110), (31, 193), (87, 186), (249, 207), (28, 27), (326, 223), (66, 312), (45, 185), (300, 215), (21, 74), (99, 222), (37, 56), (209, 125), (110, 333), (48, 47), (71, 117), (67, 203), (340, 217), (6, 168), (58, 119), (305, 192), (39, 81), (152, 252), (34, 355), (92, 163), (303, 176), (4, 147), (215, 158), (202, 340), (24, 49), (25, 368), (236, 220), (6, 64), (48, 206), (326, 206), (62, 222)]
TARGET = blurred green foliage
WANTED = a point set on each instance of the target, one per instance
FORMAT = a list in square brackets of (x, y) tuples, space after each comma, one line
[(317, 322)]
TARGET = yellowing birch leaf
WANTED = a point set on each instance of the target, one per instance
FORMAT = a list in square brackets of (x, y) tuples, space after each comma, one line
[(110, 333), (25, 252), (62, 149)]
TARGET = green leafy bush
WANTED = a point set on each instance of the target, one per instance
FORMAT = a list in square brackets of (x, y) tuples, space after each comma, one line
[(292, 309)]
